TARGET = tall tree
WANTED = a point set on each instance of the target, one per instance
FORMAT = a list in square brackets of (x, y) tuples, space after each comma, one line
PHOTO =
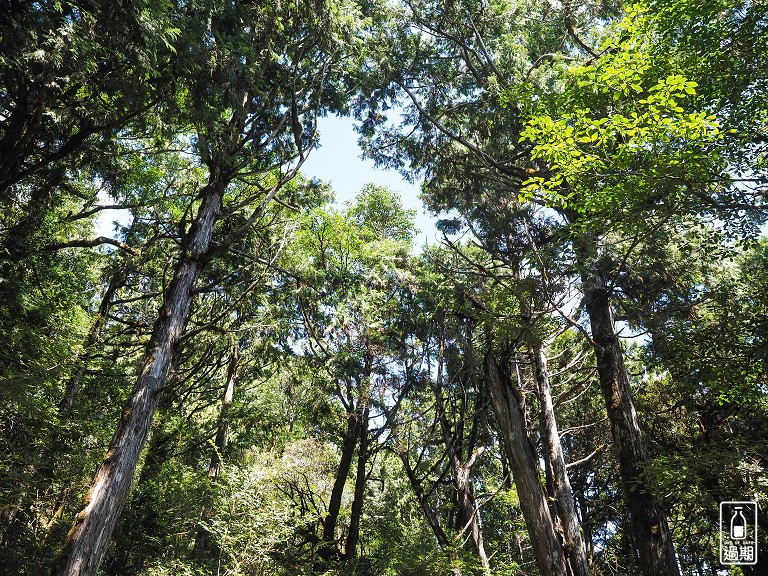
[(251, 89), (655, 164), (349, 264), (634, 156), (74, 76), (492, 296)]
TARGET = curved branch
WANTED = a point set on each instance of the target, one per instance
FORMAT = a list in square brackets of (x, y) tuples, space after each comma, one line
[(572, 33), (505, 169), (98, 241)]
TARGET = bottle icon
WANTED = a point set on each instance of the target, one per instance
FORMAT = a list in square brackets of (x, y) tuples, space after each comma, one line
[(738, 524)]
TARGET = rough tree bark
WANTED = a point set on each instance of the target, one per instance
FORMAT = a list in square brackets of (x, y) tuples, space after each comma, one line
[(138, 528), (547, 548), (87, 540), (650, 531), (470, 514), (561, 486)]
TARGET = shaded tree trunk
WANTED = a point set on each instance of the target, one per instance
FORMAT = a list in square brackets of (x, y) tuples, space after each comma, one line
[(348, 443), (547, 548), (353, 536), (72, 386), (561, 486), (87, 540), (467, 517), (470, 514), (202, 537), (357, 433), (586, 521), (421, 498), (650, 531)]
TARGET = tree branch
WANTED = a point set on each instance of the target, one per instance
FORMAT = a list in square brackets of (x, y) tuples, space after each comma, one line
[(98, 241)]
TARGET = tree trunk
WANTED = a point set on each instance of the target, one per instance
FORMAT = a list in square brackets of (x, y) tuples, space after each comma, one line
[(470, 514), (138, 530), (356, 513), (92, 528), (586, 522), (564, 503), (72, 386), (650, 531), (202, 538), (547, 547), (429, 514), (348, 443), (222, 430)]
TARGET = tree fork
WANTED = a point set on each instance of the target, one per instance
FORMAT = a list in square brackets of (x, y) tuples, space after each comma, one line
[(547, 547), (348, 443), (421, 498), (468, 514), (353, 536), (563, 495)]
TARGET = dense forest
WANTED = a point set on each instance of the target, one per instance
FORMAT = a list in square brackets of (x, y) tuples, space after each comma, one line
[(249, 378)]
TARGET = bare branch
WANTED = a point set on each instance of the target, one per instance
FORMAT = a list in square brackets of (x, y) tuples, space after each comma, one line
[(586, 459)]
